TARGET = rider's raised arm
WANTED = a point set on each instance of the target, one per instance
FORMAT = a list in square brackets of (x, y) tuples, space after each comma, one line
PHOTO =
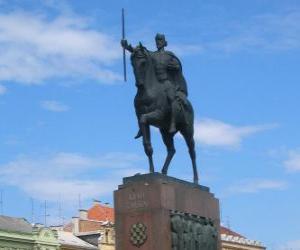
[(126, 46)]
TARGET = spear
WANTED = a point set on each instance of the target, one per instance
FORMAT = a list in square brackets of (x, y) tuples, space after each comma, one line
[(123, 37)]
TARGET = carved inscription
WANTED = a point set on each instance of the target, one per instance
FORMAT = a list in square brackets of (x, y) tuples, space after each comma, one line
[(137, 200), (192, 232)]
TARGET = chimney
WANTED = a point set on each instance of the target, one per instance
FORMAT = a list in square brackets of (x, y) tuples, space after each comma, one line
[(38, 225), (96, 202), (83, 214), (106, 204), (75, 222)]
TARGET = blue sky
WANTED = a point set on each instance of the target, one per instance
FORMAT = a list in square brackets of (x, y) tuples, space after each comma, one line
[(68, 120)]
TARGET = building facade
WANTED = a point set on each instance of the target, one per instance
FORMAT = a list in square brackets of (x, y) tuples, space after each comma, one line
[(96, 226), (19, 234), (231, 240)]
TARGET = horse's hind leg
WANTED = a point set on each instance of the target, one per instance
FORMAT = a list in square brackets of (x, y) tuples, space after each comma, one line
[(188, 134), (169, 142)]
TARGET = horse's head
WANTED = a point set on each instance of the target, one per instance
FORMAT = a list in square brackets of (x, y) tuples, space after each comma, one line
[(139, 59)]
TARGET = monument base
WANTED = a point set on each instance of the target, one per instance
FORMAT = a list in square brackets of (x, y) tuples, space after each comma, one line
[(158, 212)]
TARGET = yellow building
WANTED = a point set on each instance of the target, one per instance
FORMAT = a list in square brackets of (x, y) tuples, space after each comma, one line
[(19, 234)]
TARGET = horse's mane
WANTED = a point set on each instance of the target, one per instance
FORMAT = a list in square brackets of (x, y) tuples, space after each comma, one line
[(137, 49), (142, 52)]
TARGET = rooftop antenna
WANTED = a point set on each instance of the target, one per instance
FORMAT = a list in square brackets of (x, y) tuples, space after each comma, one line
[(60, 212), (32, 210), (1, 202), (221, 211), (228, 222), (79, 201), (45, 213)]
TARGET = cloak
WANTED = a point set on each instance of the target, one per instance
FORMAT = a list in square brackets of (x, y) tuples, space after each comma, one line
[(176, 76)]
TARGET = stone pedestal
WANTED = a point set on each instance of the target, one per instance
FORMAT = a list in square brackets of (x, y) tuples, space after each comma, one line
[(158, 212)]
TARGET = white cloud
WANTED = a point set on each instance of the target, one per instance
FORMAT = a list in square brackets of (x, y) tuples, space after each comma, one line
[(268, 32), (255, 186), (2, 90), (291, 245), (217, 133), (36, 48), (292, 164), (66, 175), (54, 106)]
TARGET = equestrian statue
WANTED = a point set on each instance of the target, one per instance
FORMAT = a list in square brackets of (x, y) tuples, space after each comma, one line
[(161, 99)]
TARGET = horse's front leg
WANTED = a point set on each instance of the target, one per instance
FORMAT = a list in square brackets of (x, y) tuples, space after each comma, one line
[(148, 147), (145, 121), (169, 142)]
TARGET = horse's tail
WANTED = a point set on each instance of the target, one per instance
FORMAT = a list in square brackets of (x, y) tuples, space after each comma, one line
[(189, 113)]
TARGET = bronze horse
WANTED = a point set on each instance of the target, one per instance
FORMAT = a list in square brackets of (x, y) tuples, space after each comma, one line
[(153, 108)]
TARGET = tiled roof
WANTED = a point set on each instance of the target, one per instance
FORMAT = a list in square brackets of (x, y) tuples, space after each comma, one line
[(68, 227), (225, 230), (228, 235), (101, 213), (15, 224), (67, 238)]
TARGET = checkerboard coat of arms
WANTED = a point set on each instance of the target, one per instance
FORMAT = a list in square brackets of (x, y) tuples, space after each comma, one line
[(138, 235)]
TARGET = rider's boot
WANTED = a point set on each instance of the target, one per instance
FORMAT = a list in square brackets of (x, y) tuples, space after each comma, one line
[(172, 128), (138, 135)]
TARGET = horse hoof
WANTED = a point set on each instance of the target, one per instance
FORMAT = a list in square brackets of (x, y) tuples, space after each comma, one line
[(138, 135), (196, 182)]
